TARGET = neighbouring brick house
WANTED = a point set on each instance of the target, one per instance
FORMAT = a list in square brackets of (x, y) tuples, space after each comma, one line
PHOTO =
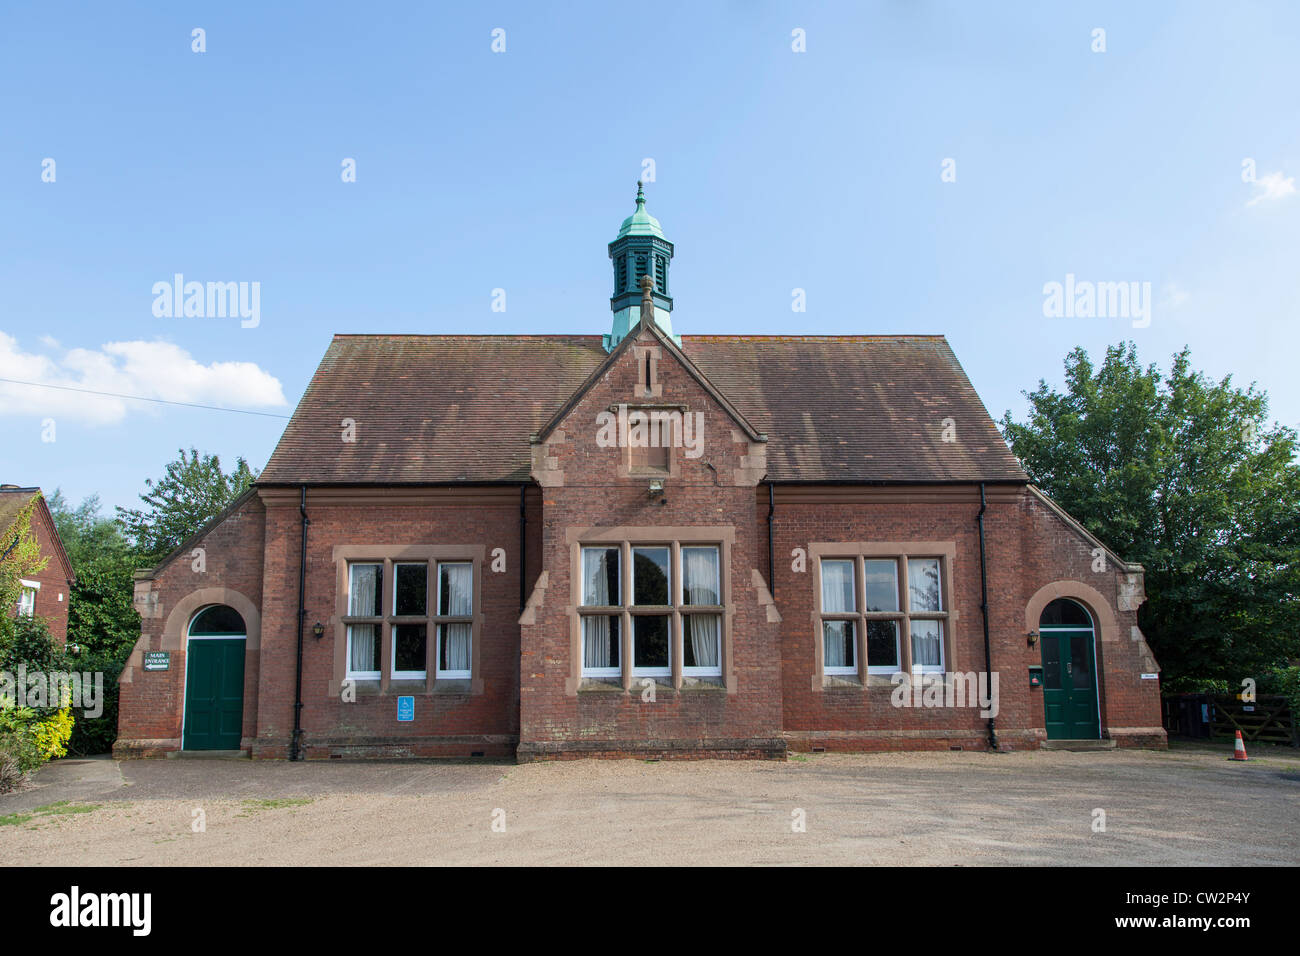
[(46, 593), (637, 543)]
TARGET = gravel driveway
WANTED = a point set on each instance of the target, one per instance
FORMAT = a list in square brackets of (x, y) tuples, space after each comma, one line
[(1189, 805)]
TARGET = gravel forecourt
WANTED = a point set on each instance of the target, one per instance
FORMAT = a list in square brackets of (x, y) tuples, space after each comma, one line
[(1189, 805)]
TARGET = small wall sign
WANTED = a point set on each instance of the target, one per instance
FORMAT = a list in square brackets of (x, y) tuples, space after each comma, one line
[(157, 660), (1150, 676), (406, 708)]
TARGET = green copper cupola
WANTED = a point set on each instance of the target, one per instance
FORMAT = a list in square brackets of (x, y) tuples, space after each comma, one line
[(639, 249)]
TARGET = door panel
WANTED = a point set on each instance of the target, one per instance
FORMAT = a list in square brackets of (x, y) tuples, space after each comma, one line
[(214, 694), (1069, 691)]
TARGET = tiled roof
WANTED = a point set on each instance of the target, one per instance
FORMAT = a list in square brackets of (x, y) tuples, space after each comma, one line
[(12, 501), (446, 408)]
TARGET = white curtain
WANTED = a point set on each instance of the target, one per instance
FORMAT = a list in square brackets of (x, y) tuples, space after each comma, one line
[(364, 598), (701, 577), (837, 587), (926, 644), (704, 638), (595, 592), (458, 590), (363, 648), (923, 583), (834, 643), (701, 567)]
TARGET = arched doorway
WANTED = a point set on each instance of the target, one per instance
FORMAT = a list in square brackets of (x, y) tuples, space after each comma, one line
[(1068, 640), (214, 680)]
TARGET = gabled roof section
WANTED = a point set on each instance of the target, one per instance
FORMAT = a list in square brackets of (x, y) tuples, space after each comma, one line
[(453, 409), (666, 342), (13, 500), (859, 407), (144, 574)]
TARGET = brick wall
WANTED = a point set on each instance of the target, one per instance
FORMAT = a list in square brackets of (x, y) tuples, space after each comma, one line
[(227, 569), (583, 489)]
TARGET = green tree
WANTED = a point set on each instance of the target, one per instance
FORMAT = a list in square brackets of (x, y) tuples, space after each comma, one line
[(1186, 476), (192, 491), (101, 615)]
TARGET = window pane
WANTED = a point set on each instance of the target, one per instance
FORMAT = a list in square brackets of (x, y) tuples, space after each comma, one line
[(650, 576), (701, 642), (455, 590), (411, 588), (700, 575), (1051, 662), (837, 587), (1081, 670), (839, 640), (454, 648), (1064, 613), (650, 643), (364, 591), (217, 619), (923, 584), (600, 577), (409, 643), (927, 644), (601, 642), (882, 644), (882, 585), (363, 649)]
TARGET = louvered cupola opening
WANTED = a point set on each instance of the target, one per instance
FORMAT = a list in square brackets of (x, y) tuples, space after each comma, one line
[(640, 249)]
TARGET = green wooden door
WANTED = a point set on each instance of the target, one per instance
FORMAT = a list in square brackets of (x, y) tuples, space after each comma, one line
[(214, 694), (1069, 688)]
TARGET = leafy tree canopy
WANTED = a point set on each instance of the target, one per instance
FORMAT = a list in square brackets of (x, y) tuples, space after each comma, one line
[(1186, 476), (192, 491)]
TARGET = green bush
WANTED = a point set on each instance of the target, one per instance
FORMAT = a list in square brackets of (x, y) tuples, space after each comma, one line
[(95, 735), (28, 738)]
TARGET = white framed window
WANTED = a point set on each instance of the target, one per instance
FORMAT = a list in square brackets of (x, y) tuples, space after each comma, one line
[(455, 619), (602, 588), (902, 619), (701, 611), (652, 611), (926, 614), (27, 597), (365, 620), (880, 584), (409, 627), (839, 616)]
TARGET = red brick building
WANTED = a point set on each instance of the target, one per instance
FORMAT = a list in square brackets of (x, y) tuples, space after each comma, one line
[(46, 593), (638, 543)]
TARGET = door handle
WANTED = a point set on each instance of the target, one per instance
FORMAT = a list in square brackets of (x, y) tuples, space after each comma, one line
[(1069, 667)]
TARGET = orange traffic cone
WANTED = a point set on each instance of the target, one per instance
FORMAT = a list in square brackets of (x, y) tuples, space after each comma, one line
[(1239, 749)]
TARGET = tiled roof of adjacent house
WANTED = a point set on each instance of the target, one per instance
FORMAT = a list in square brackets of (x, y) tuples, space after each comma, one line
[(446, 408), (13, 499)]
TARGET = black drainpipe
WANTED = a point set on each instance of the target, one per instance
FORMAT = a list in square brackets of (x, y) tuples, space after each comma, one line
[(984, 610), (295, 747), (523, 523), (771, 553)]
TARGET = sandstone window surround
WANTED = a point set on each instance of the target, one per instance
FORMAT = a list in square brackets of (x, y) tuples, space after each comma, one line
[(651, 604), (408, 619), (880, 608)]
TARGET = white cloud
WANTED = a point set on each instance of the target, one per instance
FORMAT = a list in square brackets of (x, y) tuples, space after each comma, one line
[(1274, 186), (157, 370)]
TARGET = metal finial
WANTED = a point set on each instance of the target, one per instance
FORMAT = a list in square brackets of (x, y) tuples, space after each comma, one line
[(640, 196)]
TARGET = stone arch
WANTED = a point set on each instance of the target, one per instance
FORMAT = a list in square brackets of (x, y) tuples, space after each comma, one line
[(1103, 616), (178, 621)]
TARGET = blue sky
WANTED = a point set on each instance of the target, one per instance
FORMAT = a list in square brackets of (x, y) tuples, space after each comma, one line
[(476, 170)]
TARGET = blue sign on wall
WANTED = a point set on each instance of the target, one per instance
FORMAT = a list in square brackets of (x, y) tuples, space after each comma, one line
[(406, 708)]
